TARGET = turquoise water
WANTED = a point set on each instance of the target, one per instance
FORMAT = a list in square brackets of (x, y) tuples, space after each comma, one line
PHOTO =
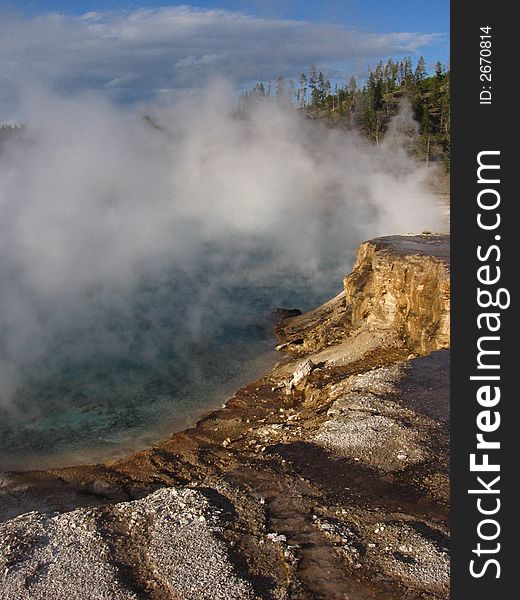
[(133, 367)]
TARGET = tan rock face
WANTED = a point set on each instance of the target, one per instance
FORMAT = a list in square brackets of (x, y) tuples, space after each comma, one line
[(402, 284), (399, 288)]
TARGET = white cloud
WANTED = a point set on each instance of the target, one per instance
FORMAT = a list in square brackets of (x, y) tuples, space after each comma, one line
[(138, 53)]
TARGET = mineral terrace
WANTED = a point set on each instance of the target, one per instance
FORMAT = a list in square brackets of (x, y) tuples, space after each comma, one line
[(326, 478)]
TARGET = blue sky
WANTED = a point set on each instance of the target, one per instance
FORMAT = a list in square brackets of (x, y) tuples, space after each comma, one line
[(383, 15), (135, 50)]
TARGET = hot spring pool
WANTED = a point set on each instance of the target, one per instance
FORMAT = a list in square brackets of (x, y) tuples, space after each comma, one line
[(132, 369)]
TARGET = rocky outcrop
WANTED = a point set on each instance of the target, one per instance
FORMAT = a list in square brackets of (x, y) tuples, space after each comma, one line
[(402, 284), (399, 287), (326, 478)]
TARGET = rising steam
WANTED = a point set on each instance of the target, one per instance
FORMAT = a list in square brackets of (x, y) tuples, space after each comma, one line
[(95, 199)]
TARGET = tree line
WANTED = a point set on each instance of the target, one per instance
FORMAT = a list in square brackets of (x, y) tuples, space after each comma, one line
[(369, 106)]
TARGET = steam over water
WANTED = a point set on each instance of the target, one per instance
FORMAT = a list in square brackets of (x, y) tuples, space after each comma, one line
[(142, 251), (137, 369)]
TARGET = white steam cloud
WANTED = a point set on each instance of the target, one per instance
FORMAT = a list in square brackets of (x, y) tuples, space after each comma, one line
[(94, 197)]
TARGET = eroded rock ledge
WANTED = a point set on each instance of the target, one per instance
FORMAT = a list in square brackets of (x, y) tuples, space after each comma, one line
[(399, 287), (326, 478)]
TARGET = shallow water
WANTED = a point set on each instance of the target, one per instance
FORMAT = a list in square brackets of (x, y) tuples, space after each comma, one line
[(129, 370)]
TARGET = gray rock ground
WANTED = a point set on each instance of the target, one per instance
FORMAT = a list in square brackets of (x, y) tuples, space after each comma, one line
[(174, 535)]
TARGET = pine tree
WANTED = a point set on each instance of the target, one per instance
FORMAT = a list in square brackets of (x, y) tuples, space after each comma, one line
[(426, 132), (321, 88), (313, 86), (303, 91), (352, 85), (280, 90), (408, 77), (420, 70)]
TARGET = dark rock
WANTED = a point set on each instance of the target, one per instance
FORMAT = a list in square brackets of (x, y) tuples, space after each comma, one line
[(287, 313)]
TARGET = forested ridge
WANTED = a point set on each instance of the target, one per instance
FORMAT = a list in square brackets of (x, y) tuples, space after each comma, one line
[(366, 106), (369, 106)]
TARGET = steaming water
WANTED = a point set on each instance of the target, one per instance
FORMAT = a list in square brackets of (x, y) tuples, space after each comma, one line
[(141, 257), (145, 366)]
